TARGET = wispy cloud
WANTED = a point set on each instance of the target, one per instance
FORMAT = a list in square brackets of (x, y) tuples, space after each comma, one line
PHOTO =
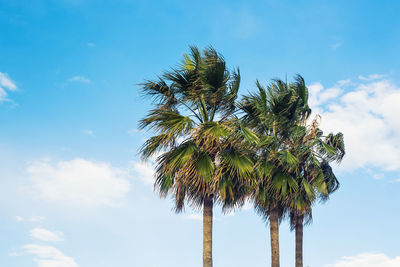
[(371, 77), (6, 82), (46, 235), (78, 182), (79, 79), (48, 256), (367, 260), (44, 255), (6, 85), (91, 44)]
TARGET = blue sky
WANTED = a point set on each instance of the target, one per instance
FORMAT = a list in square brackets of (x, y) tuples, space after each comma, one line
[(73, 191)]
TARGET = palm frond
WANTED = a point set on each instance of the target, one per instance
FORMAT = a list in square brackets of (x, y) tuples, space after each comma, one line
[(168, 122)]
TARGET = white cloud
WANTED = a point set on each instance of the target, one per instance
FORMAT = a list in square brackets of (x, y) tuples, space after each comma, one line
[(47, 256), (344, 82), (367, 260), (371, 77), (78, 182), (367, 114), (80, 79), (319, 95), (6, 84), (3, 95), (144, 171), (46, 235)]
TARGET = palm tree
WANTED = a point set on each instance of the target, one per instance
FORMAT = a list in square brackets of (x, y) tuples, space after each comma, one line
[(271, 113), (201, 161), (315, 178)]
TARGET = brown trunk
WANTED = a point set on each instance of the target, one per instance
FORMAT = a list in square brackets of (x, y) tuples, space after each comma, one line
[(207, 232), (274, 232), (299, 241)]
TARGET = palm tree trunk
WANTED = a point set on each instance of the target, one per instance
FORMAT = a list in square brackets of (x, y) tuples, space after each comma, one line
[(299, 241), (207, 231), (274, 232)]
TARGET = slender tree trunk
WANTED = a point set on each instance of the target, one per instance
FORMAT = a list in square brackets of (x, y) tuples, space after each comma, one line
[(274, 232), (207, 232), (299, 241)]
